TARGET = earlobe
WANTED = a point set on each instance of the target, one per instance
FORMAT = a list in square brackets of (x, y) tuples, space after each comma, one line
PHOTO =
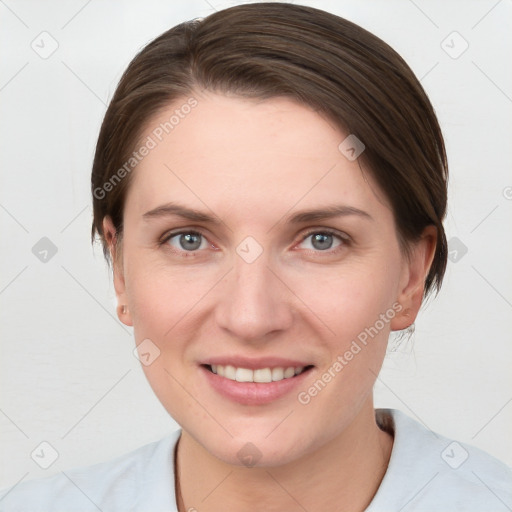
[(412, 286), (113, 241), (124, 315)]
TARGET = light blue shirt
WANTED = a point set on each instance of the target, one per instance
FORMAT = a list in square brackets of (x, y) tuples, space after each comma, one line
[(426, 473)]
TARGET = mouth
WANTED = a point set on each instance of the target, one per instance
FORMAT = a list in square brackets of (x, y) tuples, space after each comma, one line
[(259, 375), (254, 386)]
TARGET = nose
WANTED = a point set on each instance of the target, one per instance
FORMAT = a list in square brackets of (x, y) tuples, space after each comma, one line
[(254, 303)]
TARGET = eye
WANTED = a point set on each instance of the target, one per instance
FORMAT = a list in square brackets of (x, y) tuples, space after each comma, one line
[(189, 241), (319, 240), (324, 240)]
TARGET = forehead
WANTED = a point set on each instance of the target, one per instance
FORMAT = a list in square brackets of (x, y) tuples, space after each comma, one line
[(255, 155)]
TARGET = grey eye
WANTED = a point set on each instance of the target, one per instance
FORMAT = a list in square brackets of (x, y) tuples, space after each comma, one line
[(188, 241), (321, 241)]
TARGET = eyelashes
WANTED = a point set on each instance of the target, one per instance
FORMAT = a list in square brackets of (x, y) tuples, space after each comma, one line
[(342, 238), (197, 241)]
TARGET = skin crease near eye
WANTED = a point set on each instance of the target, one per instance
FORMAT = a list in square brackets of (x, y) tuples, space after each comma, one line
[(251, 283)]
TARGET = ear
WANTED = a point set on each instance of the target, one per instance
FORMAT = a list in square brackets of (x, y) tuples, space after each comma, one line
[(412, 282), (114, 244)]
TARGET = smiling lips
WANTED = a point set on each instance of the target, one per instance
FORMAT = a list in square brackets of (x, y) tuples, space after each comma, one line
[(261, 375), (254, 381)]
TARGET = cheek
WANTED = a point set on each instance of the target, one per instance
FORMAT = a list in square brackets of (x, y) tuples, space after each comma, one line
[(350, 299), (358, 309), (160, 299), (164, 307)]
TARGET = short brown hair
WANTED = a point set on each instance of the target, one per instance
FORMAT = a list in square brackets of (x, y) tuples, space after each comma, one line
[(267, 50)]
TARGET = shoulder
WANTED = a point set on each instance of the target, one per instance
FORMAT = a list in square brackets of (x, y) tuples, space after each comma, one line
[(428, 471), (144, 476)]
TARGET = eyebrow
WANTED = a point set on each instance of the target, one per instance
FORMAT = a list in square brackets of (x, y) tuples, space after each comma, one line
[(328, 212)]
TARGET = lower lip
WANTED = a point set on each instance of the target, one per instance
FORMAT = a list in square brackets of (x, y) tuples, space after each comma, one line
[(253, 393)]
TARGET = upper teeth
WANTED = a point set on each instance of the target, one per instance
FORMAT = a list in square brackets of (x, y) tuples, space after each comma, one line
[(259, 375)]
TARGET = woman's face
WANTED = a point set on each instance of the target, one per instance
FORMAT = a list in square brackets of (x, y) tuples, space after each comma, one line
[(254, 282)]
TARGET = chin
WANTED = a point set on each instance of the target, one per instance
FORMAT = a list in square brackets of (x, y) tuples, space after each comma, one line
[(252, 450), (251, 455)]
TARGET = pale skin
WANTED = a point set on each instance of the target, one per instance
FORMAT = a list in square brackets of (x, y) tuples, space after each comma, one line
[(252, 164)]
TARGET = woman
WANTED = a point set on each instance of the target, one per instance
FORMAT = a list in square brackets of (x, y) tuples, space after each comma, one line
[(270, 184)]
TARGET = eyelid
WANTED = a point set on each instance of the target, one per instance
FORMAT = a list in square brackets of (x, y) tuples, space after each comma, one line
[(180, 231), (345, 240), (327, 231), (311, 231)]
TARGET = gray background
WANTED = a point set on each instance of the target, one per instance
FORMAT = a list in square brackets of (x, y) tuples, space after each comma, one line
[(68, 374)]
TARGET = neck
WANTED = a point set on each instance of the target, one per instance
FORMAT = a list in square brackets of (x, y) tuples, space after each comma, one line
[(343, 474)]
